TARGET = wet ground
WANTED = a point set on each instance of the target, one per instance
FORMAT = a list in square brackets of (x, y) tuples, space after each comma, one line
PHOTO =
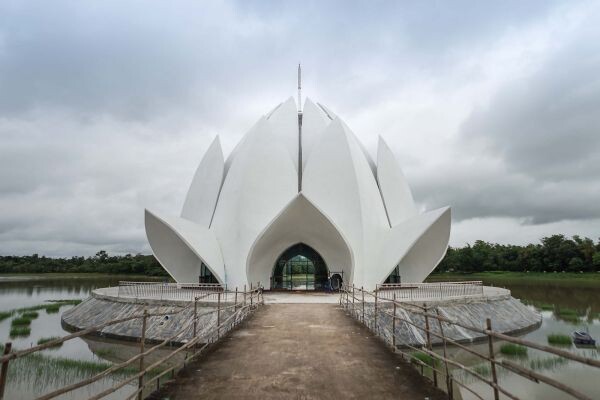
[(300, 351)]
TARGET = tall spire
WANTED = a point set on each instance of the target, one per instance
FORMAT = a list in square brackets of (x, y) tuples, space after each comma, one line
[(299, 128), (299, 88)]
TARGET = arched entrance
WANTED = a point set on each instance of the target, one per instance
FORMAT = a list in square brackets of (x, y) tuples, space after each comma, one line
[(300, 267)]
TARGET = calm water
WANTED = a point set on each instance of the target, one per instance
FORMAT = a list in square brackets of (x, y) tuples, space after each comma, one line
[(32, 378), (564, 308)]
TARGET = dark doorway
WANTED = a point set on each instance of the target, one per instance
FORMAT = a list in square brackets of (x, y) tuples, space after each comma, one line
[(300, 267)]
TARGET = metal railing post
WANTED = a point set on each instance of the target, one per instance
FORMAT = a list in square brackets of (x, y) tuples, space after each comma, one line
[(362, 289), (448, 377), (488, 324), (219, 315), (251, 296), (375, 317), (4, 370), (142, 342), (195, 318), (244, 295), (429, 346), (353, 300), (235, 302), (394, 325)]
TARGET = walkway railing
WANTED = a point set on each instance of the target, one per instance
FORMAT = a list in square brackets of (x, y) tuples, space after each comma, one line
[(243, 302), (419, 291), (354, 299)]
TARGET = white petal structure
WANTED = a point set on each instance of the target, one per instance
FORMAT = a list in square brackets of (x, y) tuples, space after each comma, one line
[(299, 203)]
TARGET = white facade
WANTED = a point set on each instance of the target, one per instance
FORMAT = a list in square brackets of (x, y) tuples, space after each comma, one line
[(287, 183)]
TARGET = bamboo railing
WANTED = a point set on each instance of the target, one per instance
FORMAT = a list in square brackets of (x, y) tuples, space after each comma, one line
[(242, 303), (352, 297)]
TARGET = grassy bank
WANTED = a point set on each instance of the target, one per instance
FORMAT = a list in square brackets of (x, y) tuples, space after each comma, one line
[(563, 278), (6, 276)]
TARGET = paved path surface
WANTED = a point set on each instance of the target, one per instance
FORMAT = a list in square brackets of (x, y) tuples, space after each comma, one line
[(300, 351)]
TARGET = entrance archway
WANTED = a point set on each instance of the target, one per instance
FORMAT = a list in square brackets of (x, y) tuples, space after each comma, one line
[(300, 267)]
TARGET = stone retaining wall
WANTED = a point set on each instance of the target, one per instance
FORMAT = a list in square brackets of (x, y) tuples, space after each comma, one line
[(508, 315), (99, 309)]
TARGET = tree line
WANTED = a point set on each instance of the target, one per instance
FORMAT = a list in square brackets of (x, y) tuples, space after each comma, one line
[(102, 262), (554, 253)]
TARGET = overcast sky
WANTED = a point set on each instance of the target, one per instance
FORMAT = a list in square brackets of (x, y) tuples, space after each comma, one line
[(107, 107)]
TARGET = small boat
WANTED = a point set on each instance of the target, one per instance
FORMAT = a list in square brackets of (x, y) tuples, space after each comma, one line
[(581, 337)]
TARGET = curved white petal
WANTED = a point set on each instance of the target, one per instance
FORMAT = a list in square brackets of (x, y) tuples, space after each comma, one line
[(327, 111), (339, 181), (181, 246), (416, 245), (261, 181), (314, 122), (284, 125), (396, 194), (299, 222), (202, 196)]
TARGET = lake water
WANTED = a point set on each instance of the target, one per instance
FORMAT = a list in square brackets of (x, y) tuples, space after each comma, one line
[(564, 308), (30, 378)]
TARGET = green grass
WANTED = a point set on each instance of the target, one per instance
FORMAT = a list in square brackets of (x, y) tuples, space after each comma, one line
[(568, 315), (49, 339), (589, 279), (30, 314), (19, 331), (53, 305), (546, 363), (21, 321), (72, 302), (52, 309), (58, 370), (424, 357), (568, 312), (546, 307), (559, 339), (511, 349), (483, 369), (5, 314), (105, 353)]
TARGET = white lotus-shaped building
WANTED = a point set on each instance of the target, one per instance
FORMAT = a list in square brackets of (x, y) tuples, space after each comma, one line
[(299, 201)]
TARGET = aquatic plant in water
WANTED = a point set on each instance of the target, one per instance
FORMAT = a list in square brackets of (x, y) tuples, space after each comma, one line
[(5, 314), (42, 370), (559, 339), (52, 309), (19, 331), (424, 357), (49, 339), (30, 314), (549, 363), (52, 303), (21, 321), (105, 352), (512, 349)]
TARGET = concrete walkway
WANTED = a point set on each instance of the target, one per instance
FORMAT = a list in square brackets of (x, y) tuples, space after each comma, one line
[(299, 351)]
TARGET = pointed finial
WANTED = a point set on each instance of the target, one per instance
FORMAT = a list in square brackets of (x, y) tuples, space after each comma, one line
[(299, 88)]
